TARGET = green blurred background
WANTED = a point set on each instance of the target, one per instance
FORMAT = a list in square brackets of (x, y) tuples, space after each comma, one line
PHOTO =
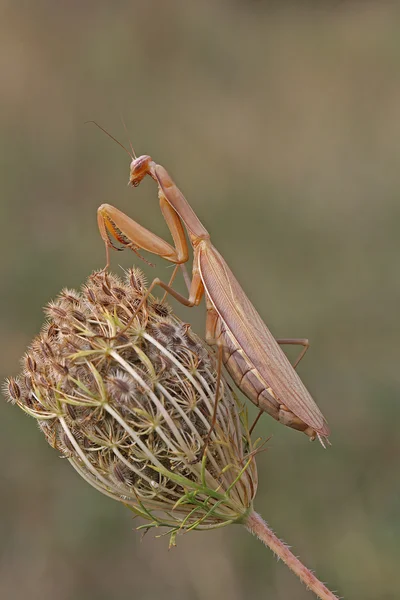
[(281, 124)]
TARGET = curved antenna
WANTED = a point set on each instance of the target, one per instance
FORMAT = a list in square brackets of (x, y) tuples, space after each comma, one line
[(113, 138), (127, 133)]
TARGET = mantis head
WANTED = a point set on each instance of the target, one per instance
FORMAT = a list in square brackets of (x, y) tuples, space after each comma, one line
[(140, 167)]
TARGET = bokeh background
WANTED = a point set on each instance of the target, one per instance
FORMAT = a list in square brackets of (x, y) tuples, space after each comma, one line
[(281, 123)]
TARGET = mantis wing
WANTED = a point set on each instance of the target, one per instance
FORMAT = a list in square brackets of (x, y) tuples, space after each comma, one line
[(255, 339)]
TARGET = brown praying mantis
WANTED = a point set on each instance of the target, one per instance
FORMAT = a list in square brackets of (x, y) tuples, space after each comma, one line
[(248, 350)]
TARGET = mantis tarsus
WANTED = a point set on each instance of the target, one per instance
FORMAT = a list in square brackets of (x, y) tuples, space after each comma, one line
[(247, 348)]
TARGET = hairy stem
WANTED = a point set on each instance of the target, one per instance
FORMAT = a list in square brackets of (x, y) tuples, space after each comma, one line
[(258, 527)]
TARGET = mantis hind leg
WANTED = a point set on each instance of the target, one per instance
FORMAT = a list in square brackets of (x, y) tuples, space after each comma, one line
[(295, 342), (292, 342)]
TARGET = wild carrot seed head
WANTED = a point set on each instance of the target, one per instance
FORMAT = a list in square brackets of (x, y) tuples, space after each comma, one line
[(129, 402)]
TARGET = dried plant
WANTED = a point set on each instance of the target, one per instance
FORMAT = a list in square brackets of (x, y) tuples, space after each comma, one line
[(130, 406), (127, 393)]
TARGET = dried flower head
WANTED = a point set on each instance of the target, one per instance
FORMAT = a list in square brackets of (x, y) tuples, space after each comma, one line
[(127, 396)]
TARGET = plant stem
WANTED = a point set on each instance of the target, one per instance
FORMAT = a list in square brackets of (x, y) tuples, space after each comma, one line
[(258, 527)]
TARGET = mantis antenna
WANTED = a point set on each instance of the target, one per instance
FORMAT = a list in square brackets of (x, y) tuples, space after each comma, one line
[(127, 133), (132, 156)]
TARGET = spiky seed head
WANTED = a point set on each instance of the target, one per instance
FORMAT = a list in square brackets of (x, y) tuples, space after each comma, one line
[(127, 396)]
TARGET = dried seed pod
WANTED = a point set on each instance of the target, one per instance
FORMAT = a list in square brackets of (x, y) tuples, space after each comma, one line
[(128, 399)]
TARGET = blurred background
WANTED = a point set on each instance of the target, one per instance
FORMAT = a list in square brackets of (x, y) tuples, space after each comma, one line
[(281, 124)]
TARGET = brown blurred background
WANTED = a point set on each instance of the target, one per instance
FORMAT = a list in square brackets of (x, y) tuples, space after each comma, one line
[(281, 124)]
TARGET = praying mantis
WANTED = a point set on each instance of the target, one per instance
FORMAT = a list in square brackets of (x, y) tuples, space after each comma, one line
[(246, 347)]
